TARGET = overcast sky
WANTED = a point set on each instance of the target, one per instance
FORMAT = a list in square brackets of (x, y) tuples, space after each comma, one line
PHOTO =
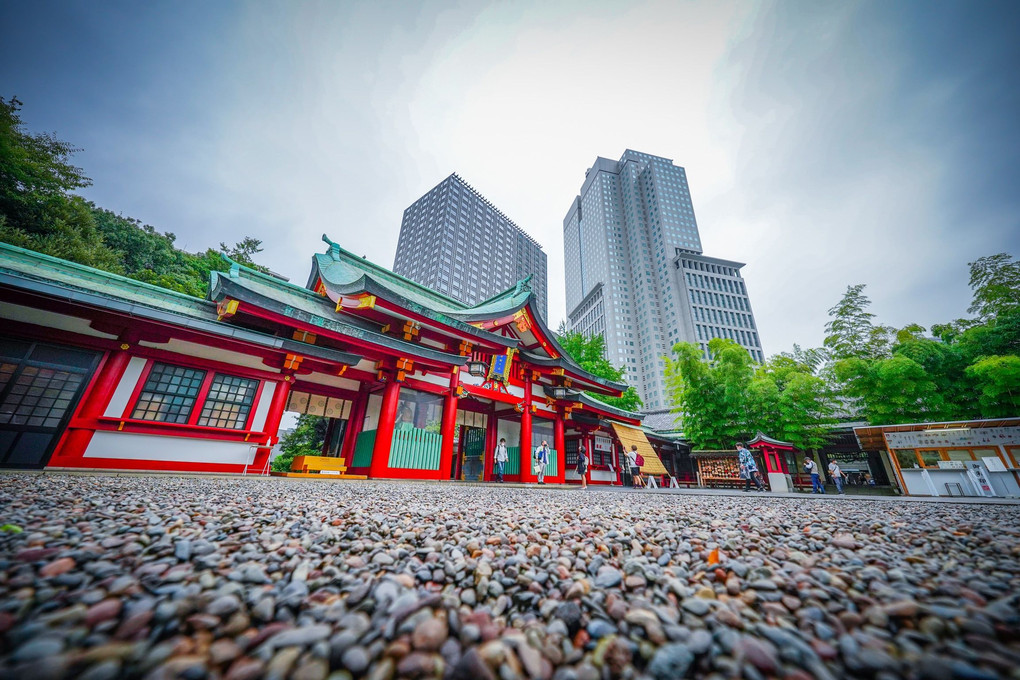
[(826, 144)]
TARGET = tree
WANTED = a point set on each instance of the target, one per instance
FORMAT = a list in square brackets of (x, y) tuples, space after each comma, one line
[(37, 210), (850, 333), (696, 396), (997, 380), (590, 354), (727, 398), (306, 439), (789, 402), (995, 280)]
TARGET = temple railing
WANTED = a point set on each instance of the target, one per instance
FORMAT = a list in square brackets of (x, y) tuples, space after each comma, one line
[(412, 449), (513, 466), (415, 449)]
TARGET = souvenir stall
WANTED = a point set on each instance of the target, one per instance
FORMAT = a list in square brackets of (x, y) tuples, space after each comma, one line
[(959, 458)]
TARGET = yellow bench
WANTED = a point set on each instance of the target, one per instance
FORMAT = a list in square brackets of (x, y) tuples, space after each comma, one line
[(320, 467), (318, 464)]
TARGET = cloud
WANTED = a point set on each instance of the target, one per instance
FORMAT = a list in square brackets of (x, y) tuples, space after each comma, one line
[(846, 172)]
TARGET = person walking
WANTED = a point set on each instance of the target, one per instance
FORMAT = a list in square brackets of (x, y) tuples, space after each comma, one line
[(635, 467), (816, 480), (541, 460), (837, 476), (501, 459), (748, 468), (582, 465)]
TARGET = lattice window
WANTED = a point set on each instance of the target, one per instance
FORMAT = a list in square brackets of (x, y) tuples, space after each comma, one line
[(169, 394), (229, 402), (39, 397), (570, 461)]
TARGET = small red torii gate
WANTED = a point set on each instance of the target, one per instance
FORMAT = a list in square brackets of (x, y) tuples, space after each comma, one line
[(772, 451)]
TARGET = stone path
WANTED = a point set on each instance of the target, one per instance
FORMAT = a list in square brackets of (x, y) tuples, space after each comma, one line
[(156, 577)]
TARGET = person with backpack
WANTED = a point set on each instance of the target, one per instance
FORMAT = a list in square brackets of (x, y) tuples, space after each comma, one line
[(636, 461), (541, 461), (582, 465)]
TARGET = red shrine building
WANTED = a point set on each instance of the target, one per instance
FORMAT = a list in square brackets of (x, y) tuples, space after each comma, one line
[(101, 372)]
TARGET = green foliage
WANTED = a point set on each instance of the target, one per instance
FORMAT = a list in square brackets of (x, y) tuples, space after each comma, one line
[(306, 439), (966, 369), (39, 212), (995, 280), (997, 380), (850, 333), (590, 354), (727, 398)]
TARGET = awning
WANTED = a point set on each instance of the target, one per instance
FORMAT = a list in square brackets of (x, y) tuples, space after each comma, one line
[(630, 435)]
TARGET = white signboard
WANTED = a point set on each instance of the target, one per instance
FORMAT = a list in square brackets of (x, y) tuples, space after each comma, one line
[(952, 465), (603, 444), (994, 464), (990, 436)]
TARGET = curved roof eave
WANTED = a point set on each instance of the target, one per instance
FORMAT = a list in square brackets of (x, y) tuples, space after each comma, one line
[(224, 286), (591, 401), (564, 361), (371, 286)]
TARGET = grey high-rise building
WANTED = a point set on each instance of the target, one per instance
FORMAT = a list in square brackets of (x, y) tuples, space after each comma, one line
[(635, 272), (455, 241)]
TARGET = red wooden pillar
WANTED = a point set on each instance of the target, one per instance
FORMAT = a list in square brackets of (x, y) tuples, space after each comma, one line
[(491, 435), (527, 473), (560, 445), (449, 426), (384, 435), (355, 425), (277, 407), (97, 397), (272, 426)]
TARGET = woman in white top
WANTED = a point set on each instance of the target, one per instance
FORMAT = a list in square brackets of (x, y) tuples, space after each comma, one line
[(501, 458)]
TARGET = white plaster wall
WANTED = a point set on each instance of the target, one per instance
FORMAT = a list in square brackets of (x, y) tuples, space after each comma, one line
[(372, 412), (510, 431), (332, 381), (433, 379), (128, 446), (262, 409), (126, 386), (193, 349), (47, 319), (602, 476)]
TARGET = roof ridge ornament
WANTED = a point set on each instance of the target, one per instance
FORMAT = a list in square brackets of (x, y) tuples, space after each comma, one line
[(334, 248), (523, 285)]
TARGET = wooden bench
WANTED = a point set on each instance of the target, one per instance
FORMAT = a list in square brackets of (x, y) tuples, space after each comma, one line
[(322, 467), (318, 464)]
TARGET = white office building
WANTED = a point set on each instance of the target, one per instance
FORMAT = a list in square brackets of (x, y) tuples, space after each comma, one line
[(635, 272)]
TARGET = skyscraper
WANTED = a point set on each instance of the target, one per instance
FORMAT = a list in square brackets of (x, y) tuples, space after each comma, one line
[(635, 272), (455, 241)]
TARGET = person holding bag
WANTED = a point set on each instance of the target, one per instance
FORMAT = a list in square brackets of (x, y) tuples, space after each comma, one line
[(501, 459), (582, 465), (541, 460)]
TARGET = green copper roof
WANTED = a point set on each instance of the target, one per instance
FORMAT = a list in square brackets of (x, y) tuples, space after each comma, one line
[(135, 300), (345, 272), (589, 400), (309, 307)]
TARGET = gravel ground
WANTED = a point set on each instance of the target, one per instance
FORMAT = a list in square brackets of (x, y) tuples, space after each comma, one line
[(153, 577)]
